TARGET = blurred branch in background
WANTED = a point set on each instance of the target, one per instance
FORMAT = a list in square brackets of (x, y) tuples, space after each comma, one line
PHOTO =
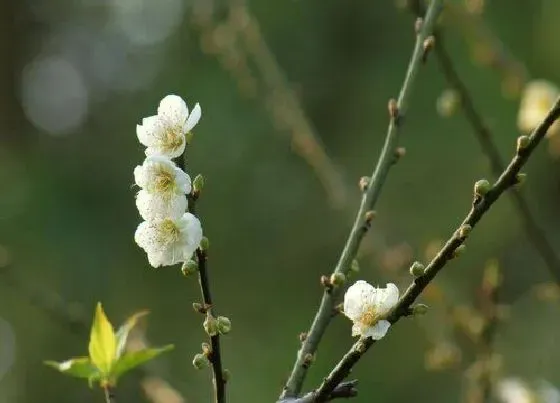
[(484, 137), (72, 316), (242, 50)]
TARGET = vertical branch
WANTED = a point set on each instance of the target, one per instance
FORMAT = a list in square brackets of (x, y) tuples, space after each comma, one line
[(534, 234), (215, 355), (371, 194)]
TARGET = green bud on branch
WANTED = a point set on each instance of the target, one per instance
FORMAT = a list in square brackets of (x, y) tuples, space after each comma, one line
[(204, 244), (200, 361), (337, 279), (198, 184), (522, 143), (223, 325), (210, 325), (419, 309), (189, 267), (464, 231), (482, 187), (459, 251), (417, 269)]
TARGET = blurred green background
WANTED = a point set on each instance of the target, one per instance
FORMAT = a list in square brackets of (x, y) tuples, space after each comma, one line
[(78, 75)]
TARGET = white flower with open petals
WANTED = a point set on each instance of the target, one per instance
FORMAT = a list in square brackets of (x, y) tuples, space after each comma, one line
[(367, 307), (537, 98), (164, 186), (169, 241), (164, 133)]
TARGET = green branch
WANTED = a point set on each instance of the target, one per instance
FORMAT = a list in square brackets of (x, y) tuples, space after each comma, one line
[(386, 159), (481, 204)]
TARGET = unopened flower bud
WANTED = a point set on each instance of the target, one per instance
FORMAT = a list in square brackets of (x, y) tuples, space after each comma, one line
[(520, 179), (370, 215), (302, 336), (189, 267), (308, 359), (226, 374), (428, 44), (419, 309), (482, 187), (364, 182), (211, 325), (337, 279), (522, 143), (393, 108), (400, 152), (464, 231), (198, 183), (200, 361), (459, 251), (198, 307), (326, 282), (224, 325), (355, 266), (417, 269), (206, 349), (204, 244)]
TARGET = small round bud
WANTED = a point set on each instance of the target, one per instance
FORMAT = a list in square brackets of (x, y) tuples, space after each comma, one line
[(204, 243), (302, 336), (418, 25), (419, 309), (417, 269), (211, 325), (308, 359), (482, 187), (224, 325), (337, 279), (428, 44), (326, 282), (364, 182), (393, 108), (200, 361), (189, 267), (465, 230), (520, 179), (206, 349), (355, 266), (400, 152), (188, 137), (370, 215), (226, 374), (459, 251), (198, 183), (522, 143), (198, 307)]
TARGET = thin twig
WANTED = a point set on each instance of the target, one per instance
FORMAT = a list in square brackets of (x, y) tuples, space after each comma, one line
[(344, 390), (215, 355), (110, 396), (480, 206), (534, 234), (386, 159)]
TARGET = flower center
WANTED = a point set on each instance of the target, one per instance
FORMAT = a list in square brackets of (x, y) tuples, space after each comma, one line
[(173, 139), (369, 317), (164, 182), (169, 232)]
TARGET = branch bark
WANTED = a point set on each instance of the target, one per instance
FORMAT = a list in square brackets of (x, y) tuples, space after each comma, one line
[(386, 159)]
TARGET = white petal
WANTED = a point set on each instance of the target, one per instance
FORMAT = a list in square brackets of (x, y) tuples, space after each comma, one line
[(174, 109), (193, 118), (355, 299), (377, 331), (148, 130), (142, 236), (183, 181), (390, 297), (153, 207)]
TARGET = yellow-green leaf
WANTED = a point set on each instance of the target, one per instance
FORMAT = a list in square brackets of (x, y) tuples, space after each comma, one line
[(102, 342), (124, 330), (80, 367), (133, 359)]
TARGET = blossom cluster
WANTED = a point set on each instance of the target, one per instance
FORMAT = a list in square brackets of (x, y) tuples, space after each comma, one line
[(169, 234)]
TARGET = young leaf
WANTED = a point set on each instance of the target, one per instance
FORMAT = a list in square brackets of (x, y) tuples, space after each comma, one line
[(124, 330), (102, 342), (133, 359), (79, 367)]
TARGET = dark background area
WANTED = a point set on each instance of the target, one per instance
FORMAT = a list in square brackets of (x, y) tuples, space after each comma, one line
[(78, 75)]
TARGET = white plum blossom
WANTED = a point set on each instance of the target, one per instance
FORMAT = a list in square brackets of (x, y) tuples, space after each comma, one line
[(537, 98), (164, 133), (514, 390), (163, 189), (169, 241), (367, 307)]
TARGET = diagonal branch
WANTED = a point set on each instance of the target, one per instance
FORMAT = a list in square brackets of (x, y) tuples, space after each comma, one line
[(480, 206), (484, 137), (371, 194)]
